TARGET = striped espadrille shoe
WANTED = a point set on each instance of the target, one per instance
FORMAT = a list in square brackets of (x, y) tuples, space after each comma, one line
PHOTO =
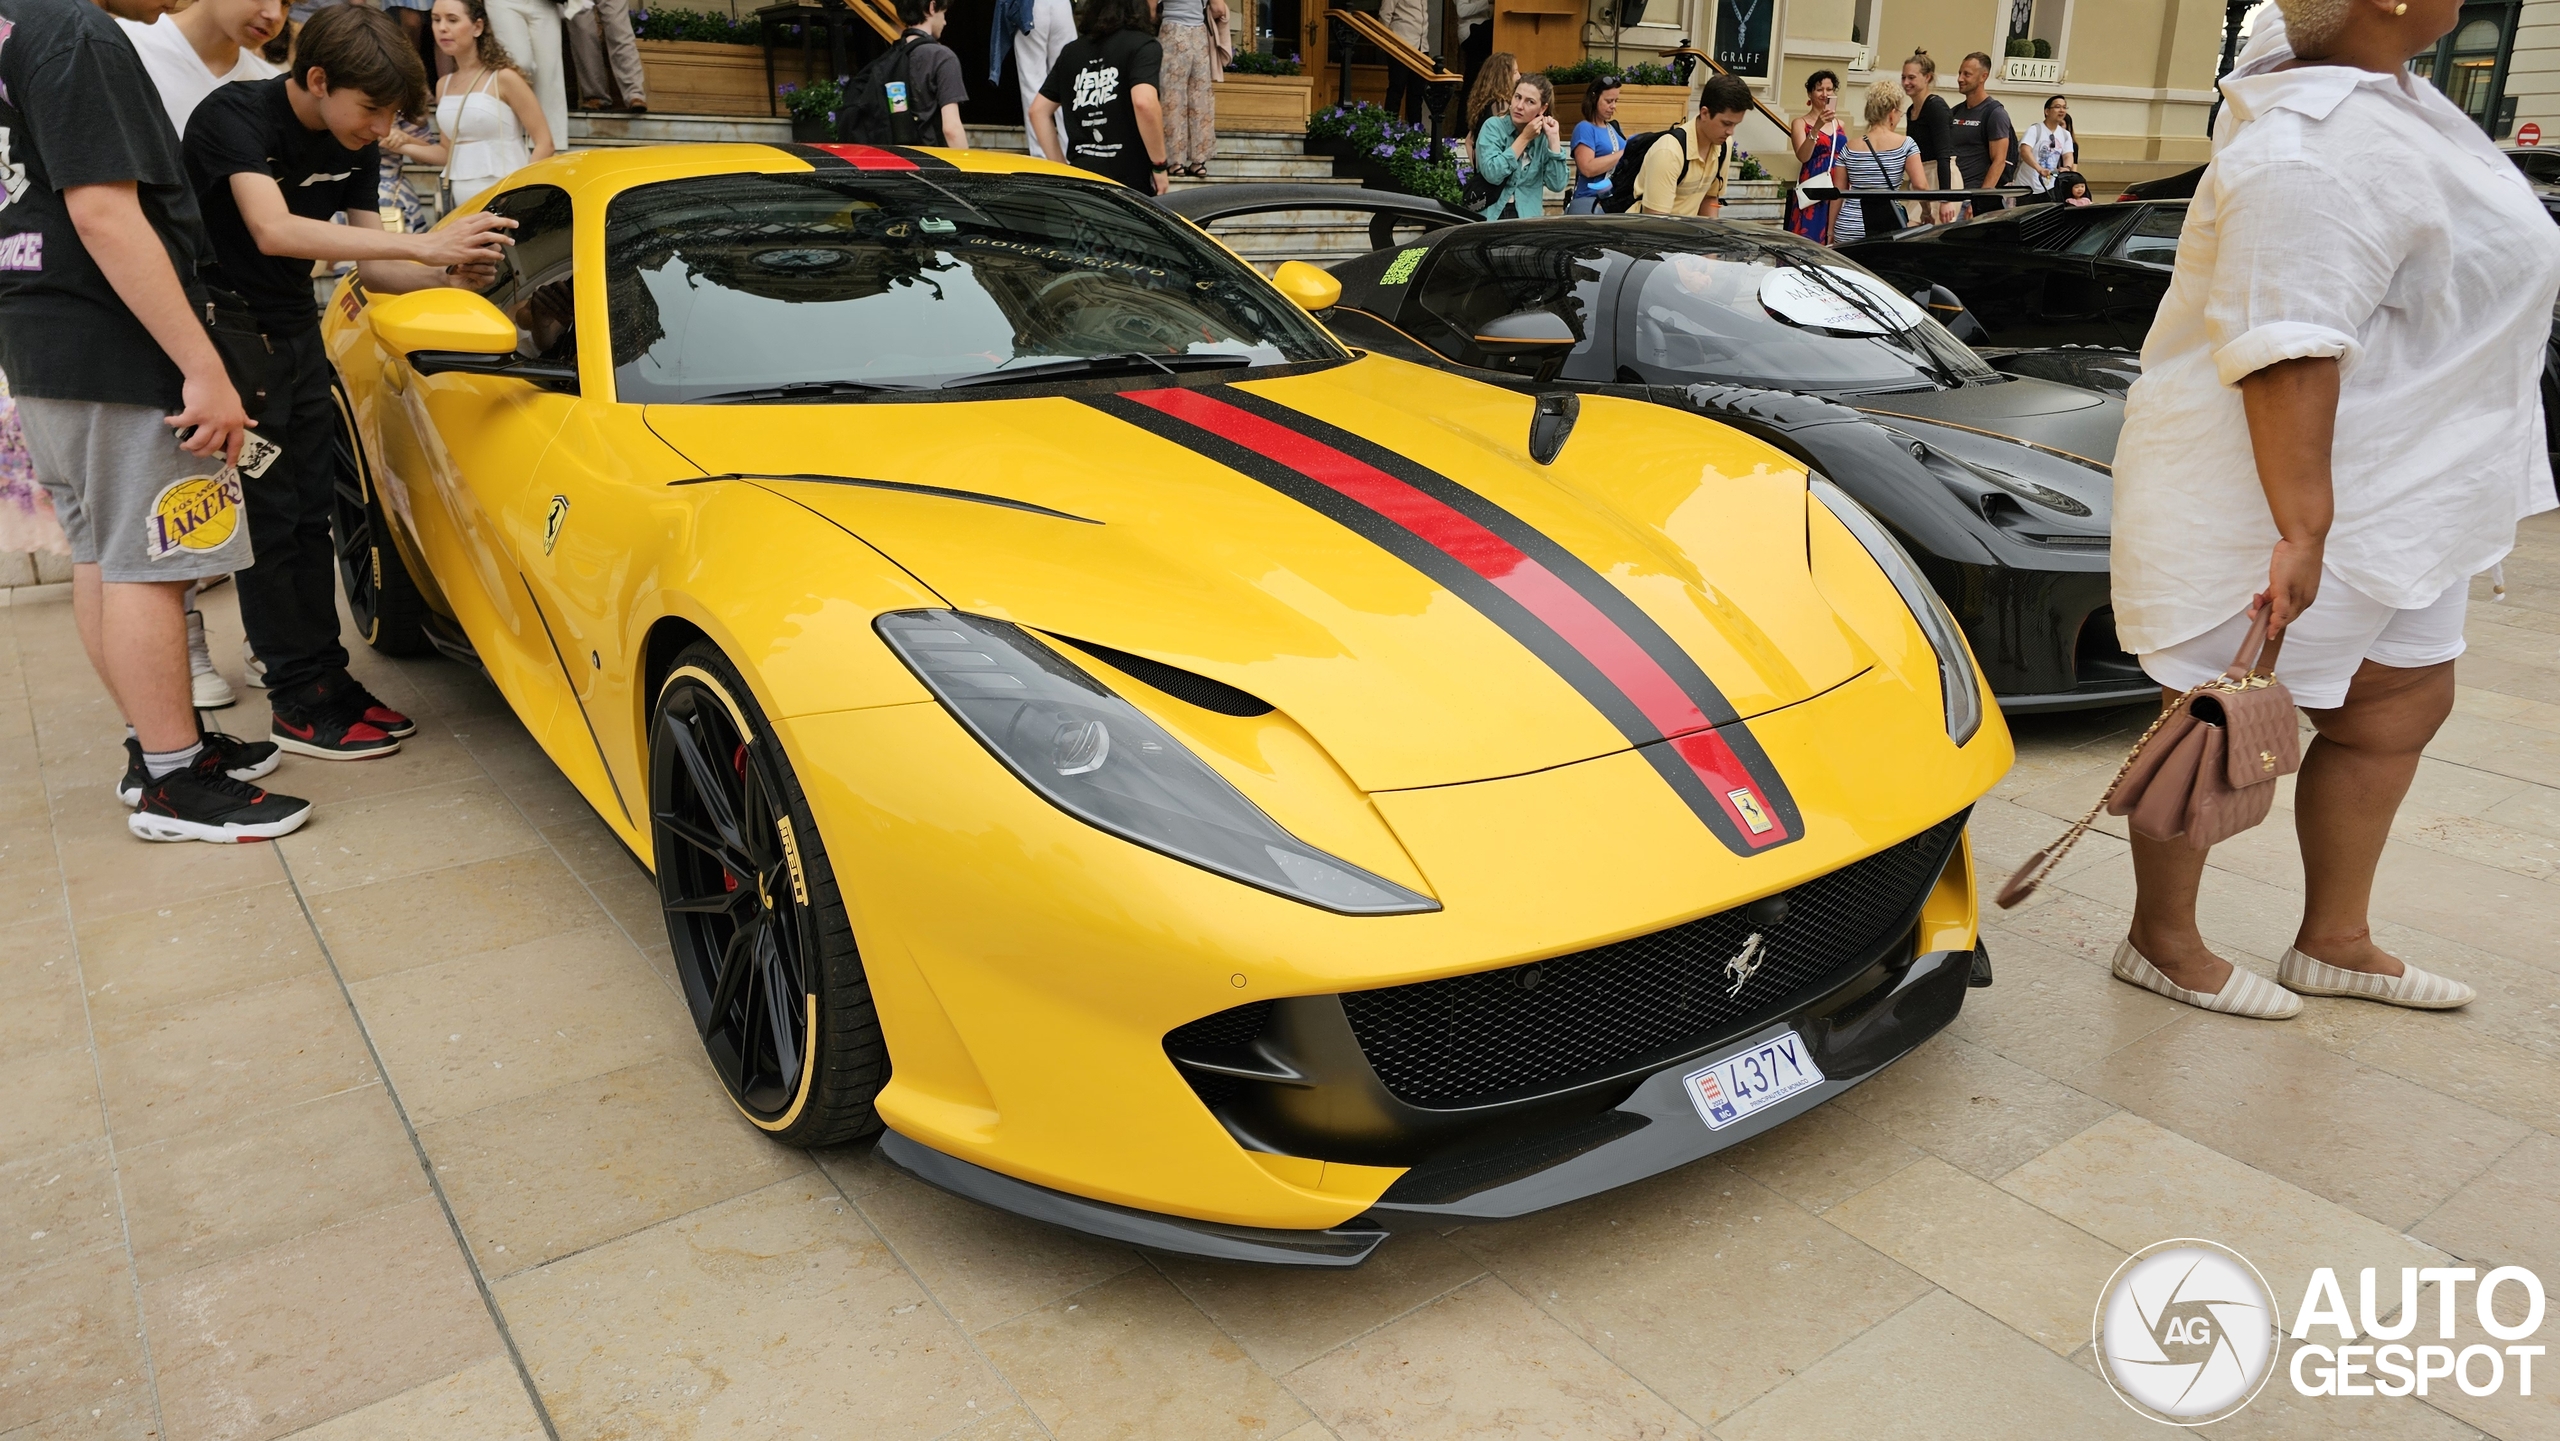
[(2418, 990), (2246, 993)]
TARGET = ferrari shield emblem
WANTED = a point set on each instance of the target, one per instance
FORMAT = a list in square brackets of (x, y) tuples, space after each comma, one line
[(1744, 802), (559, 516)]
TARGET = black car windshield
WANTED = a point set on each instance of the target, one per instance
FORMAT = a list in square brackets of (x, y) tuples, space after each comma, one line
[(1755, 316), (836, 286)]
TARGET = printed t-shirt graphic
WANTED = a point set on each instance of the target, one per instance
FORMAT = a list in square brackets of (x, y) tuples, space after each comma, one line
[(249, 128), (1091, 84)]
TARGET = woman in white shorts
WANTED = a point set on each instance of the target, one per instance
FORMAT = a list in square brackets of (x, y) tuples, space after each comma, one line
[(2338, 416)]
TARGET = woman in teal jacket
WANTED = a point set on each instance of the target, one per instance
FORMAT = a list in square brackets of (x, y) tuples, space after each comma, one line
[(1522, 152)]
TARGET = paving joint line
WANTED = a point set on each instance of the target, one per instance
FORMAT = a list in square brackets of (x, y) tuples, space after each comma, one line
[(435, 1185)]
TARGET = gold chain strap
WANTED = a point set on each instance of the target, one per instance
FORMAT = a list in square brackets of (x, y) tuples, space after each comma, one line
[(2052, 856)]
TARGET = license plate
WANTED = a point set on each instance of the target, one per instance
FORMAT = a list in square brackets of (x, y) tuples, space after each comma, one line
[(1749, 1080)]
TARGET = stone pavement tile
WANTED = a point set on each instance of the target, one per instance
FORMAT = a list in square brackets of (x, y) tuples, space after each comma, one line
[(1312, 1431), (202, 1063), (57, 1207), (2481, 905), (2005, 833), (2070, 923), (215, 1192), (423, 760), (40, 1004), (592, 852), (1822, 1157), (2358, 1136), (52, 1102), (536, 1178), (172, 955), (1939, 1368), (1967, 1105), (2481, 1070), (632, 902), (68, 1338), (267, 1343), (2131, 1183), (1481, 1362), (353, 842), (122, 1415), (1653, 1276), (481, 1402), (34, 890), (2243, 916), (2280, 1414), (2534, 809), (2033, 1273), (2053, 1011), (2506, 1413), (985, 1267), (1132, 1358), (1286, 1318), (477, 1030), (462, 910), (2509, 1215), (858, 1169), (1016, 1423), (517, 764), (2519, 998), (2485, 842), (109, 870), (2499, 747), (778, 1313)]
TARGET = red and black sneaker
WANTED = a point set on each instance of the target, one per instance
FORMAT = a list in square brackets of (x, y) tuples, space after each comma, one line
[(200, 803), (377, 715), (330, 734), (241, 760)]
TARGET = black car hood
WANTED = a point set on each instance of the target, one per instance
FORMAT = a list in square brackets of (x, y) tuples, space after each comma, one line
[(2061, 420)]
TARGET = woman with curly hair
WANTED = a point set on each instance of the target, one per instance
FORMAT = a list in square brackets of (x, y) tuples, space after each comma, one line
[(486, 110)]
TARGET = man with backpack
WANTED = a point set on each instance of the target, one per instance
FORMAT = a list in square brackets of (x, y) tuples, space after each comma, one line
[(911, 95), (1681, 171)]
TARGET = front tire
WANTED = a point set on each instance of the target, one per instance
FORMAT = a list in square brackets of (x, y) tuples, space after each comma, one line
[(762, 943), (390, 611)]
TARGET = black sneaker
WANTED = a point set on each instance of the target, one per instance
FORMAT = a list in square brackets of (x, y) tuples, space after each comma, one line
[(200, 803), (365, 704), (330, 735), (241, 760)]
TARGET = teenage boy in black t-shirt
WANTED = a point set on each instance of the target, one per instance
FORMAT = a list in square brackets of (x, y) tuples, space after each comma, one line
[(1106, 82), (271, 161), (129, 413), (937, 88)]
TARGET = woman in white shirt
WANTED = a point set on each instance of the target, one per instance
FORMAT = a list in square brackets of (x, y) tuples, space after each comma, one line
[(2049, 146), (490, 119), (2338, 417), (207, 45)]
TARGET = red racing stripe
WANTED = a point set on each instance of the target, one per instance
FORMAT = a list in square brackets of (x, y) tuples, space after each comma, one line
[(1544, 594), (867, 157)]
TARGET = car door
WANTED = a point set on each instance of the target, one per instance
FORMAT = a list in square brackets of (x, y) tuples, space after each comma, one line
[(2134, 275)]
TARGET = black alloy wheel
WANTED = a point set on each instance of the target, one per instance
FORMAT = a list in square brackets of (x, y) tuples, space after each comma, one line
[(389, 610), (761, 939)]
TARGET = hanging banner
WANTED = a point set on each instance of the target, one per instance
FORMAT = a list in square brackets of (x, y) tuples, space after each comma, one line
[(1742, 37)]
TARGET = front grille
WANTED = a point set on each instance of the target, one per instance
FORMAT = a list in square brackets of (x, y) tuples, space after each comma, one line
[(1553, 1023)]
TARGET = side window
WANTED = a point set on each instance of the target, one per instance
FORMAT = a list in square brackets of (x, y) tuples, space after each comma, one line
[(1471, 286), (2154, 240), (533, 285)]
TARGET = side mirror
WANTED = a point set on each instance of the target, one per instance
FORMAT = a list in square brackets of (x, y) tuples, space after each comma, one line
[(1310, 288), (1525, 331), (443, 319)]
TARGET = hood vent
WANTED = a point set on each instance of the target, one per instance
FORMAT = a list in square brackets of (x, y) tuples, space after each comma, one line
[(1182, 685)]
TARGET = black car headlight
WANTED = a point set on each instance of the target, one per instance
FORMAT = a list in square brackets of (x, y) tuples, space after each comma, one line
[(1099, 759), (1956, 677)]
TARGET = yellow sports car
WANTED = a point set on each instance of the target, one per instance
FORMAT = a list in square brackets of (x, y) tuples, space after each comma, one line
[(1186, 780)]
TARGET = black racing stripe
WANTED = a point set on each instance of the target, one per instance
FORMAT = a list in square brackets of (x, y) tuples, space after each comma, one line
[(924, 160), (1612, 602), (818, 159)]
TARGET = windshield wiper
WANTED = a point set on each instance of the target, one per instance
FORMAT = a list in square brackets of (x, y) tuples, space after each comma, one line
[(1121, 362), (793, 390)]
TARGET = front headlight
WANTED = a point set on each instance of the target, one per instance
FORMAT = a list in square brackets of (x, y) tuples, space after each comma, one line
[(1099, 759), (1956, 677)]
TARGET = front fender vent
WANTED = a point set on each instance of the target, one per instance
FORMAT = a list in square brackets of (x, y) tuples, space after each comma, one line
[(1188, 687)]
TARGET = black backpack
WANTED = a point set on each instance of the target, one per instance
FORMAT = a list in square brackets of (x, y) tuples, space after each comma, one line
[(1621, 195), (876, 114)]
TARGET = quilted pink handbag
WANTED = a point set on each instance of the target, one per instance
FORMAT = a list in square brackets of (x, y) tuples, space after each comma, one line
[(2207, 768)]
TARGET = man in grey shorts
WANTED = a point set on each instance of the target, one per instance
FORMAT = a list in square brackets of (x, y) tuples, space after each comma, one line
[(130, 416)]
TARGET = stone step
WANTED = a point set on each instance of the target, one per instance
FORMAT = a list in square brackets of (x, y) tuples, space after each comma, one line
[(599, 130)]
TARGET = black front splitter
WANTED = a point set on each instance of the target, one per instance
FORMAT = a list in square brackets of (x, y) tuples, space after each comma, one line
[(1655, 1129)]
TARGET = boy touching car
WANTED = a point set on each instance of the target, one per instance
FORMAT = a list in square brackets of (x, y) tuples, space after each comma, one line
[(271, 161)]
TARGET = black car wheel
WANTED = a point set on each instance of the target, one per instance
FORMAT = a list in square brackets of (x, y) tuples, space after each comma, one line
[(389, 609), (762, 942)]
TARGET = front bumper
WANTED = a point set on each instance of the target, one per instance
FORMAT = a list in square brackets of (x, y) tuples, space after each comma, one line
[(1853, 1032)]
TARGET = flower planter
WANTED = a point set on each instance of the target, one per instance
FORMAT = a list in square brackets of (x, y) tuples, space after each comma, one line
[(689, 77), (1640, 107), (1263, 102)]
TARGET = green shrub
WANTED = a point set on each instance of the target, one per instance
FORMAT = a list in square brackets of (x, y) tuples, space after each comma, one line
[(2021, 46), (1591, 68), (2043, 49), (1254, 62), (710, 27), (1403, 151), (817, 100)]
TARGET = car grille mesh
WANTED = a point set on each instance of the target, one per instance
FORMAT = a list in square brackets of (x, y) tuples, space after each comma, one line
[(1552, 1023)]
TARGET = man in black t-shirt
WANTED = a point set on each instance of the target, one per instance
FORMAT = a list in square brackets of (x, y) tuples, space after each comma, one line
[(935, 87), (271, 161), (1106, 82), (1984, 137), (100, 336)]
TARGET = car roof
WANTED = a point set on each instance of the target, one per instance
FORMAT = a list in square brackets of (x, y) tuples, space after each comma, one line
[(608, 170)]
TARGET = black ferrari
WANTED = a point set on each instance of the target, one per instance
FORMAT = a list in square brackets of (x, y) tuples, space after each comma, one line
[(1997, 484)]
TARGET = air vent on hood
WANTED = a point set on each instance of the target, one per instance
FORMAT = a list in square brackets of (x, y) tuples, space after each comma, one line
[(1182, 685)]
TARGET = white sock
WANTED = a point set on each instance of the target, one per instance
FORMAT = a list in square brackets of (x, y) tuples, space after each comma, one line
[(161, 763)]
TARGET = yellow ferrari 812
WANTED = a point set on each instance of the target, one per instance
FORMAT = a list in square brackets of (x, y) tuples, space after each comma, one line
[(1180, 778)]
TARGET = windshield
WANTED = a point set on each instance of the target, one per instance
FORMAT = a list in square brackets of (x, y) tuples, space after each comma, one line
[(1805, 325), (746, 286)]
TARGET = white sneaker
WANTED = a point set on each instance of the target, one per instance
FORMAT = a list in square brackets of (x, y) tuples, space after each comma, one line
[(212, 692), (2246, 993), (255, 669), (2418, 990)]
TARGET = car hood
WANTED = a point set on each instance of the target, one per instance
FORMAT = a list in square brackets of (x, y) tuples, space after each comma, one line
[(2081, 424), (1097, 521)]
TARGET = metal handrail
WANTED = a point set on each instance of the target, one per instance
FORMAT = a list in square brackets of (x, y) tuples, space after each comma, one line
[(1761, 105), (883, 19), (1399, 51), (1439, 85)]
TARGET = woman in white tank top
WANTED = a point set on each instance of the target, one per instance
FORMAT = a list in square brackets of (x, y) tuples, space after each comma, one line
[(486, 112)]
